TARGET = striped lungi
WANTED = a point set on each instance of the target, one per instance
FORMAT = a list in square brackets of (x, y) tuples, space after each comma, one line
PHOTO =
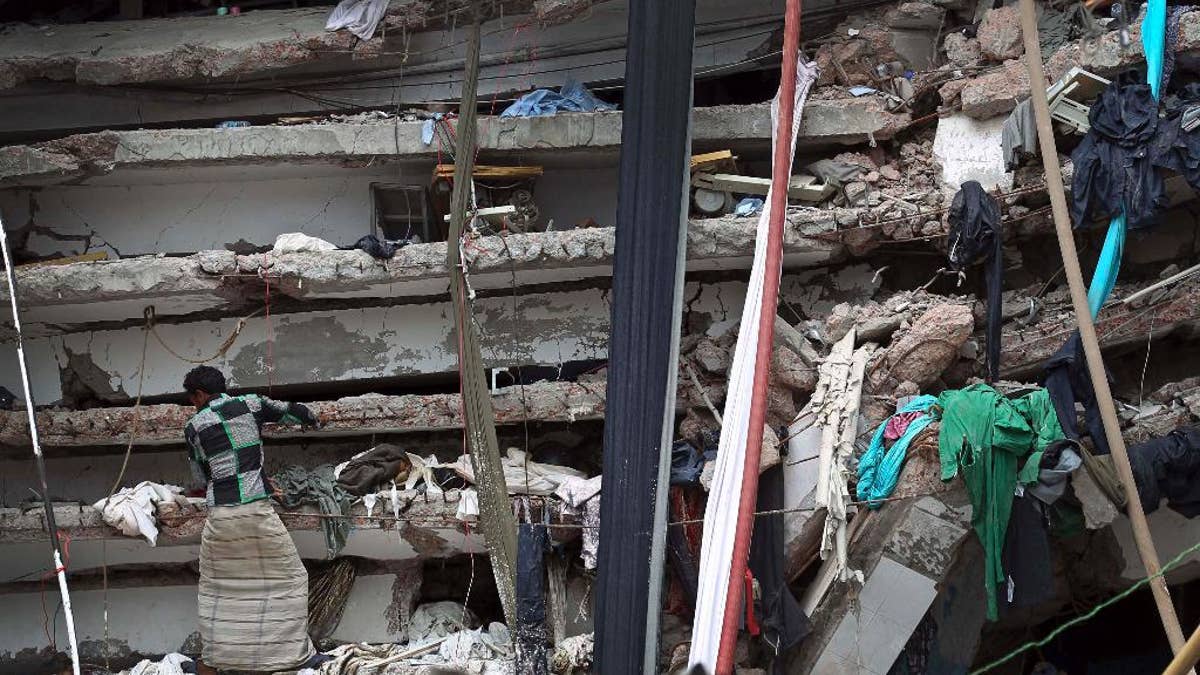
[(253, 591)]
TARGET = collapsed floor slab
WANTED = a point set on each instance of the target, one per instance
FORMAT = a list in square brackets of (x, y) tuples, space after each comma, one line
[(542, 139)]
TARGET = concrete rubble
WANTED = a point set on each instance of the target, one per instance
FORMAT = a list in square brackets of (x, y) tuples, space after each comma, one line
[(910, 102)]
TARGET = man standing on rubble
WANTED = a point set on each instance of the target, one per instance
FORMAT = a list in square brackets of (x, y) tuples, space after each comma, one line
[(253, 592)]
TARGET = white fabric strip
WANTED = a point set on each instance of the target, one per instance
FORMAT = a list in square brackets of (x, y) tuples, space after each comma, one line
[(720, 520)]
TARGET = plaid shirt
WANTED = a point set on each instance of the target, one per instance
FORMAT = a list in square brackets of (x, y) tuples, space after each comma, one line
[(225, 449)]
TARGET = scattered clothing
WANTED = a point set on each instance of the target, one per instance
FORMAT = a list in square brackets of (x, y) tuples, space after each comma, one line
[(782, 621), (1177, 147), (1018, 138), (879, 467), (225, 447), (253, 592), (834, 172), (171, 664), (468, 505), (571, 97), (428, 127), (434, 620), (360, 17), (975, 235), (368, 472), (380, 249), (574, 654), (1067, 382), (1172, 40), (681, 555), (523, 475), (1046, 473), (1169, 467), (298, 242), (581, 498), (531, 598), (1027, 560), (687, 463), (896, 425), (1114, 171), (749, 206), (132, 510), (318, 488), (983, 435)]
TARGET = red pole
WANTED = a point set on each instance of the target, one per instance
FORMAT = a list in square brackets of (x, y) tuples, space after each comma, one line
[(766, 335)]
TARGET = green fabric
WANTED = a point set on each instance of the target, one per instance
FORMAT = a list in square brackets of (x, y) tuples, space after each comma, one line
[(319, 488), (1031, 468), (984, 436)]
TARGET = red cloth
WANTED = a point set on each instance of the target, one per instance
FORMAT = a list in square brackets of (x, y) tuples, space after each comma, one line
[(897, 424)]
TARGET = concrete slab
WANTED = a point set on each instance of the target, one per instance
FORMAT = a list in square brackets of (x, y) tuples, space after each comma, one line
[(539, 139)]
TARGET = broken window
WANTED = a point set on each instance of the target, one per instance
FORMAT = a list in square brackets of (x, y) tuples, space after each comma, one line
[(403, 212)]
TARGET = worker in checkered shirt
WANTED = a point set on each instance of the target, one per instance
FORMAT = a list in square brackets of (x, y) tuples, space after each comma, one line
[(253, 591)]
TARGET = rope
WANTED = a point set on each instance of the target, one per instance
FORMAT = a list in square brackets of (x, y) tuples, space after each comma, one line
[(1174, 562), (151, 327), (137, 419)]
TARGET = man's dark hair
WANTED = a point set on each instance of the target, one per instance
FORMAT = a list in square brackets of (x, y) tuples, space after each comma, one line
[(206, 379)]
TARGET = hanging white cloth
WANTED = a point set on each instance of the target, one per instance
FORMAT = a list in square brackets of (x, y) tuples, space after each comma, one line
[(360, 17), (720, 520)]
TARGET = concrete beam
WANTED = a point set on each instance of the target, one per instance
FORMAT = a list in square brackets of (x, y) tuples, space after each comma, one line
[(541, 139), (60, 297), (427, 528), (357, 415)]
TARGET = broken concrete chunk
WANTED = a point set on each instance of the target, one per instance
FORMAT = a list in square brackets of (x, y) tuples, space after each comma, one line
[(961, 50), (1000, 34)]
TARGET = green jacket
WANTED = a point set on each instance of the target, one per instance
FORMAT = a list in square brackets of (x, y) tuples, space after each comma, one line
[(984, 435)]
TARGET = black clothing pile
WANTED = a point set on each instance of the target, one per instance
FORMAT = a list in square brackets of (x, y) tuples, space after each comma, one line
[(1177, 148), (1115, 170), (532, 543), (1068, 383), (1169, 467), (783, 621), (975, 235), (369, 472), (382, 249)]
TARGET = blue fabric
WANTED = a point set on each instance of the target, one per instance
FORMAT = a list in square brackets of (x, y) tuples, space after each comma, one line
[(427, 128), (879, 467), (1105, 276), (1154, 32), (1154, 35), (571, 97), (749, 206)]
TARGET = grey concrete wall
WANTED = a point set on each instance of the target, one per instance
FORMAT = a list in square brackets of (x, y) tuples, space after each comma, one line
[(184, 210)]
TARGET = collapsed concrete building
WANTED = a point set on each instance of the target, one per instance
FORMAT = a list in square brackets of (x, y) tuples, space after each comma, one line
[(151, 165)]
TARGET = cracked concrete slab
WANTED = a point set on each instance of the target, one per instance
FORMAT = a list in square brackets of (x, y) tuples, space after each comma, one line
[(61, 296), (543, 139), (357, 415)]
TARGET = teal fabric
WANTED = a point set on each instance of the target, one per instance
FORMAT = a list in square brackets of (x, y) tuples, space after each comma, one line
[(1154, 34), (1107, 267), (879, 467)]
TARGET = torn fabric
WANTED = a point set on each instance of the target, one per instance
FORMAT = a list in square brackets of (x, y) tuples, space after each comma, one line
[(716, 554), (132, 510)]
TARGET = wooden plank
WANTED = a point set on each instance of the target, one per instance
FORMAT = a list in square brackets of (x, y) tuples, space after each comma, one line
[(94, 256), (484, 171), (802, 187), (711, 159), (493, 214)]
